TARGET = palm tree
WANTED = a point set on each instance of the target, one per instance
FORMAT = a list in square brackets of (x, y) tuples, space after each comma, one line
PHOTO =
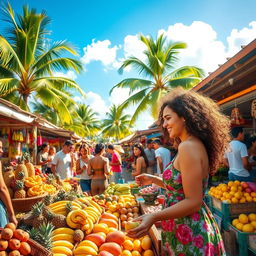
[(87, 120), (117, 124), (159, 74), (27, 63)]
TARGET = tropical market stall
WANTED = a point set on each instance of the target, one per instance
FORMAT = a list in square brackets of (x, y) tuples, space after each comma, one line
[(22, 131)]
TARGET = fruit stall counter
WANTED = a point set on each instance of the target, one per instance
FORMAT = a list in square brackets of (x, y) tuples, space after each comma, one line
[(155, 230)]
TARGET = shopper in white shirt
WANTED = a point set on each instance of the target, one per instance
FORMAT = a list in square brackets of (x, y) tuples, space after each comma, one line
[(163, 156), (62, 163), (237, 157)]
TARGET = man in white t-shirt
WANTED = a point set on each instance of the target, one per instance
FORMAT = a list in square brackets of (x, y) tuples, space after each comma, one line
[(163, 156), (62, 163), (237, 157)]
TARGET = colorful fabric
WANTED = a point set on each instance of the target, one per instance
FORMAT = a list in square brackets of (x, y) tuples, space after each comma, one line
[(197, 234), (115, 159)]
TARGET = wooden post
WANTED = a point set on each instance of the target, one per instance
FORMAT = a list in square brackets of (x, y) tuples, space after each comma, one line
[(34, 132)]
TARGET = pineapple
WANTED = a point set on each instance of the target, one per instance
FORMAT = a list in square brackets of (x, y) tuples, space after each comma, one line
[(71, 196), (78, 235), (47, 213), (68, 207), (29, 165), (21, 175), (36, 214), (38, 221), (60, 196), (21, 167), (19, 190), (59, 221), (47, 200), (42, 235)]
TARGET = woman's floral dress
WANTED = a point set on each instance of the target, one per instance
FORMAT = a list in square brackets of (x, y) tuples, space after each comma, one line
[(197, 234)]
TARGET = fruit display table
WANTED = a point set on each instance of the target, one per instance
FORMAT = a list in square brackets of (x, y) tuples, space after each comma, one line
[(155, 231)]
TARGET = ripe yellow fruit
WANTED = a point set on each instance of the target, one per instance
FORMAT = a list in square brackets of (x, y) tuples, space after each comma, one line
[(238, 195), (136, 253), (234, 188), (128, 245), (148, 253), (249, 199), (235, 221), (234, 200), (252, 217), (137, 245), (230, 183), (237, 182), (126, 253), (242, 200), (253, 194), (248, 228), (239, 226), (146, 243), (243, 218), (253, 223)]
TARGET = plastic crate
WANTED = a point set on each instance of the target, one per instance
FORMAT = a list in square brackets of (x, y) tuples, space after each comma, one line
[(244, 241), (229, 211)]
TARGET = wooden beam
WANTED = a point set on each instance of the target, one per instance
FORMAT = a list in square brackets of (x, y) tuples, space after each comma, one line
[(237, 95)]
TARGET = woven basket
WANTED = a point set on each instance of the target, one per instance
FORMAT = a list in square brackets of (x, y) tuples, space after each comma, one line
[(37, 249), (25, 204), (150, 198)]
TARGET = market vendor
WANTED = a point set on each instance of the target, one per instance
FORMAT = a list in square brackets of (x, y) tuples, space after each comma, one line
[(6, 209), (188, 226), (42, 157)]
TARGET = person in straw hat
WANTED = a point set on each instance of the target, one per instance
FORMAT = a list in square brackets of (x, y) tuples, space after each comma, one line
[(116, 161)]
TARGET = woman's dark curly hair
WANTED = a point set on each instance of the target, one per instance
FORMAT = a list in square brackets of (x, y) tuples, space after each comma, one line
[(99, 147), (203, 120), (143, 154)]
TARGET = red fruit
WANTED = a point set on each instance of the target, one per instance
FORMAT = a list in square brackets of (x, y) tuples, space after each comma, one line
[(25, 248), (3, 245), (6, 234), (96, 238), (10, 225), (14, 253), (14, 244), (111, 247), (21, 235), (244, 184), (248, 190), (116, 236), (105, 253)]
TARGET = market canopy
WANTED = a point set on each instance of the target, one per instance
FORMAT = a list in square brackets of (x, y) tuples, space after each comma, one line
[(12, 113)]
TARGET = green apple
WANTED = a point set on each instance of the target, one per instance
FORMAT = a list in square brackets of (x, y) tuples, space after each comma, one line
[(131, 225)]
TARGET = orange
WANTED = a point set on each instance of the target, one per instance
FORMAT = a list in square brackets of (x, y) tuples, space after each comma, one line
[(237, 182), (238, 195), (249, 199), (234, 188), (128, 245), (148, 253), (146, 243), (243, 219), (242, 200), (253, 223), (101, 227), (239, 226), (136, 253), (126, 253), (252, 217), (230, 183), (234, 200), (235, 221), (248, 228), (137, 245), (253, 194)]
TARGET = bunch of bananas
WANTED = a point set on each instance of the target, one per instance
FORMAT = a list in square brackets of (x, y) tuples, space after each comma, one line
[(60, 206), (118, 189), (62, 241), (77, 218), (86, 247)]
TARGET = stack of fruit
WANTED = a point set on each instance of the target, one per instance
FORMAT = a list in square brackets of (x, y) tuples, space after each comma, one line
[(118, 189), (245, 223), (13, 241), (233, 192)]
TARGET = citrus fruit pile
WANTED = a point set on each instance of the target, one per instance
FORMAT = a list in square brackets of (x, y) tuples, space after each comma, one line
[(245, 223), (233, 192)]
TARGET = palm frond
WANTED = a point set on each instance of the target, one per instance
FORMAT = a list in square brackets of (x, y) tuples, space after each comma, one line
[(7, 85)]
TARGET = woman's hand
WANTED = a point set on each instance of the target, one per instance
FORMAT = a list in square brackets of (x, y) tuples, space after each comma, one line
[(13, 219), (147, 221), (144, 179)]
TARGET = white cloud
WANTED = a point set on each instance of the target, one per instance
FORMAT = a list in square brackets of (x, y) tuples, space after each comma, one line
[(97, 103), (70, 74), (101, 51), (241, 37)]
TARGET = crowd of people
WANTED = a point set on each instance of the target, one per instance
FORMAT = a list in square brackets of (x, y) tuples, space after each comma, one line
[(201, 137)]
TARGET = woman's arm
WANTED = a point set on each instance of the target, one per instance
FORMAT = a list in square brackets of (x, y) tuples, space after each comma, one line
[(40, 160), (5, 197), (78, 168), (192, 176), (89, 168)]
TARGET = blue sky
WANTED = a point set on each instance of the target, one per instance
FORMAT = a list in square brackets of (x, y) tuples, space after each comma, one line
[(105, 32)]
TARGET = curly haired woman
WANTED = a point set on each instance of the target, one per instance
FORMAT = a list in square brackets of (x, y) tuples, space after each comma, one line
[(140, 160), (188, 226)]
